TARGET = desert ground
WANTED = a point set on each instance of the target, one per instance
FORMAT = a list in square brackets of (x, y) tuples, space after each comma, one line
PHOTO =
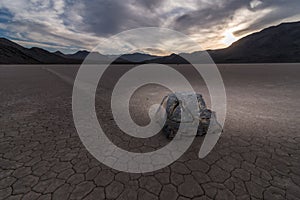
[(257, 156)]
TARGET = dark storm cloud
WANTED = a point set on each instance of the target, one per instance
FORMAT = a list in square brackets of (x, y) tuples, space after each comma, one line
[(105, 18), (149, 4), (280, 10), (221, 14), (208, 17)]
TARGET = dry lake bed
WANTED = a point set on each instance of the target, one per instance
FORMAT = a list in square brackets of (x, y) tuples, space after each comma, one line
[(257, 156)]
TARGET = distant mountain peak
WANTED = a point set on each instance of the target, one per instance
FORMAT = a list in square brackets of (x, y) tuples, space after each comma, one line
[(4, 41), (58, 52), (138, 57), (13, 53)]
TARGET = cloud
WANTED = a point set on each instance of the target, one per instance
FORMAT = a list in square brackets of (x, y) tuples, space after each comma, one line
[(45, 22), (255, 3), (51, 46), (279, 11), (80, 24), (105, 18), (155, 51)]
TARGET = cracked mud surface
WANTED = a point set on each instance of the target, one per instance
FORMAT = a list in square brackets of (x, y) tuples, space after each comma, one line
[(257, 156)]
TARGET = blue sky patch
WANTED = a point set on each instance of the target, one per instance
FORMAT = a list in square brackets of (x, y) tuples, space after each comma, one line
[(5, 16)]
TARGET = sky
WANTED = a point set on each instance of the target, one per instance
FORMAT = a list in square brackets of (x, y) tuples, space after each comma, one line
[(72, 25)]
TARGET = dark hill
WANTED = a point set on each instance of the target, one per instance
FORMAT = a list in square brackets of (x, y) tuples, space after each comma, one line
[(277, 44), (12, 53)]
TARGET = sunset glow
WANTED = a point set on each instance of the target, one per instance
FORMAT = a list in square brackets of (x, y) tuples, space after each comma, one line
[(229, 38)]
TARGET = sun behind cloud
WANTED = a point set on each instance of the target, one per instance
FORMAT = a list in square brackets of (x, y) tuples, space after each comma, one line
[(229, 38)]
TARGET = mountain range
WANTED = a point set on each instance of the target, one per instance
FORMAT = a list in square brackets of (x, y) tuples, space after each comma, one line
[(272, 45)]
